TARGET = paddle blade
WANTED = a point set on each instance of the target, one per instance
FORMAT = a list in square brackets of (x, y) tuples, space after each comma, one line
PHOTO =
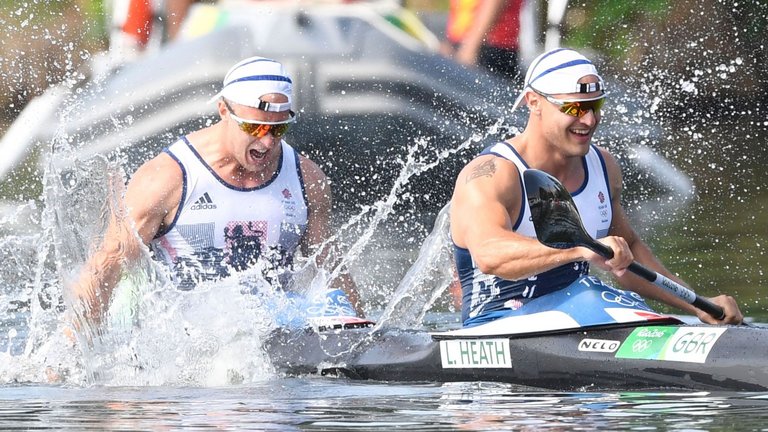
[(554, 215)]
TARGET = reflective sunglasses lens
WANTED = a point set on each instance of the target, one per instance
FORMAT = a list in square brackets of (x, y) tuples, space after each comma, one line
[(279, 130), (260, 130), (573, 109), (579, 109), (253, 129)]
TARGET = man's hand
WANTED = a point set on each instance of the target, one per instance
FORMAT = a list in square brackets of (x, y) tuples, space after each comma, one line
[(732, 313), (622, 256)]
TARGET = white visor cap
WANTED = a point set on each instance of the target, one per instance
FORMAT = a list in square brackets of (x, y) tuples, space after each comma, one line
[(557, 72), (250, 79)]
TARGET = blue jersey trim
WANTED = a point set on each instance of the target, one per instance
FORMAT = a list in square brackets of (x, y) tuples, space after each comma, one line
[(605, 172), (301, 181), (523, 196), (229, 186), (586, 177), (523, 193), (183, 195), (478, 300)]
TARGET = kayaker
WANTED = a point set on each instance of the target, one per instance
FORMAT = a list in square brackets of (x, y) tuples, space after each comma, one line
[(501, 265), (222, 198)]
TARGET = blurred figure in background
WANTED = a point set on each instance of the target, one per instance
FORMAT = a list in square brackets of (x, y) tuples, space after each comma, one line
[(133, 23), (485, 33)]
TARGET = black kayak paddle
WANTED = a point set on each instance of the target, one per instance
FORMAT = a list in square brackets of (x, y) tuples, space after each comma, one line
[(558, 225)]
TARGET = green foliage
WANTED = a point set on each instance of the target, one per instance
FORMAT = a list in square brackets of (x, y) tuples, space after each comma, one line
[(608, 25), (41, 12)]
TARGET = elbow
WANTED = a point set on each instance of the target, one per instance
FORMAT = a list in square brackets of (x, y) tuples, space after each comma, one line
[(505, 269), (488, 265)]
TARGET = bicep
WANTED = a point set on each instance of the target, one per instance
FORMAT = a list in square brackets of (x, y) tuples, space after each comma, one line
[(153, 193), (483, 207)]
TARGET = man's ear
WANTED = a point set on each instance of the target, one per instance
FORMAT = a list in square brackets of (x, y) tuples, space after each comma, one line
[(533, 101), (221, 108)]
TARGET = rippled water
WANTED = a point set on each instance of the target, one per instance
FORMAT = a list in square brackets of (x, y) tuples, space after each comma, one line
[(338, 404)]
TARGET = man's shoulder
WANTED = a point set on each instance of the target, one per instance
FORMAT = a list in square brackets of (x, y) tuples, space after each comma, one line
[(488, 177), (161, 168), (163, 159), (490, 164), (602, 151), (310, 170), (607, 156)]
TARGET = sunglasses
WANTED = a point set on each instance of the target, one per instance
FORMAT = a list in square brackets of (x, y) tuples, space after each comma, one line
[(576, 107), (260, 129)]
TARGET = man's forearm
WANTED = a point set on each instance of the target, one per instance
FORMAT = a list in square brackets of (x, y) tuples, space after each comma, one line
[(94, 289)]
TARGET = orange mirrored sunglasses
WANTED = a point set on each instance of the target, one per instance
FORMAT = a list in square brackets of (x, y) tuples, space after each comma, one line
[(576, 107), (260, 129)]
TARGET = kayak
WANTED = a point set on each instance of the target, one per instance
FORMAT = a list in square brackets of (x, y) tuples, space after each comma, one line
[(663, 354), (633, 349)]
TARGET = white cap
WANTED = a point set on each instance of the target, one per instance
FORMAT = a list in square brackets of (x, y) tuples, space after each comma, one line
[(558, 71), (250, 79)]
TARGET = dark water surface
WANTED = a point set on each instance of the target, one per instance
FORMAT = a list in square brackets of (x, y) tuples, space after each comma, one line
[(337, 404), (719, 242)]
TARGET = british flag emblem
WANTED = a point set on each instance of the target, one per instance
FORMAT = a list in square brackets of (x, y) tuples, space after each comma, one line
[(513, 304)]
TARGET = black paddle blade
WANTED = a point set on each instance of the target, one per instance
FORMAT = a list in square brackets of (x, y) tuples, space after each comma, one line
[(554, 215)]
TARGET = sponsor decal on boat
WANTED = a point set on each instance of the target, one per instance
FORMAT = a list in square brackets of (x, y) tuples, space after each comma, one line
[(475, 353), (599, 345), (684, 344)]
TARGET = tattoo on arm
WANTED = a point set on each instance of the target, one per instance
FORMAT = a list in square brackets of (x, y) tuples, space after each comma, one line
[(485, 169)]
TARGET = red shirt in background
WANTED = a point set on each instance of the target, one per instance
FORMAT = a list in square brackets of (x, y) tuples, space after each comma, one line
[(504, 33)]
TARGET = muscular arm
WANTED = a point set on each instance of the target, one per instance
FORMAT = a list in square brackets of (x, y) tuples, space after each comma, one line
[(621, 227), (486, 201), (152, 194), (318, 225)]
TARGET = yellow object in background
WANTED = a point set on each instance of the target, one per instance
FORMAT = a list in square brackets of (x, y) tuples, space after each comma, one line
[(202, 19)]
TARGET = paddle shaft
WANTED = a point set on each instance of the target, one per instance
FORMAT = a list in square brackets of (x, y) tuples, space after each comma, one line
[(665, 283)]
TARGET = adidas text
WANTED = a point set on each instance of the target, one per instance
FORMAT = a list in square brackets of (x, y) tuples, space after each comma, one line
[(200, 206), (204, 203)]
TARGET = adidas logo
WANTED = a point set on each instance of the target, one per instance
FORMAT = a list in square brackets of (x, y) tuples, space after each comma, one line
[(203, 203)]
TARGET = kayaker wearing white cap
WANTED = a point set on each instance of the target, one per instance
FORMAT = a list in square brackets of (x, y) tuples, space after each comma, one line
[(220, 198), (501, 264)]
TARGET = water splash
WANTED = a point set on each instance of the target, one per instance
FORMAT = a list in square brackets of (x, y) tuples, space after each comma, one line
[(425, 281), (155, 334)]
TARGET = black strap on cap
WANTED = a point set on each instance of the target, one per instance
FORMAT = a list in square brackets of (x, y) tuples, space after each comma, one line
[(589, 87)]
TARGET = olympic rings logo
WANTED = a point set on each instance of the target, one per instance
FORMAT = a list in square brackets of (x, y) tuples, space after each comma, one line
[(641, 345), (620, 299)]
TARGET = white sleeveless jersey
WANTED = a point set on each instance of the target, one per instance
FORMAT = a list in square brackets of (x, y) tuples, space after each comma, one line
[(484, 295), (592, 199), (219, 228)]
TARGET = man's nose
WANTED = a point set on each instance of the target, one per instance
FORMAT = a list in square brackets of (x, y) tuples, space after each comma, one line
[(269, 140), (590, 118)]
